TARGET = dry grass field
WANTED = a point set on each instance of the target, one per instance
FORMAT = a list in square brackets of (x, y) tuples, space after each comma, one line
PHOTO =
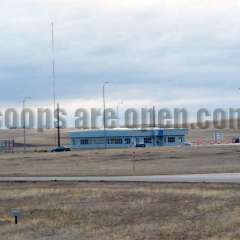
[(37, 140), (154, 161), (114, 211), (39, 162), (57, 211)]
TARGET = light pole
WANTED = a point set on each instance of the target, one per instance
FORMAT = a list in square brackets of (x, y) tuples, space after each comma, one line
[(24, 121), (118, 115), (104, 113)]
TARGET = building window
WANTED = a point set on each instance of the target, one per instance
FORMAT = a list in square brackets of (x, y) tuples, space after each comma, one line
[(127, 140), (76, 141), (171, 139), (84, 141), (147, 140), (115, 141), (96, 141)]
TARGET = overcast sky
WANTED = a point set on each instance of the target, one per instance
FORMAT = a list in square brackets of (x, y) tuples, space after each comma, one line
[(163, 52)]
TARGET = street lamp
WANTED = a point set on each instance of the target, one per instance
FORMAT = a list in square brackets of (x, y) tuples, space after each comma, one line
[(104, 113), (24, 121)]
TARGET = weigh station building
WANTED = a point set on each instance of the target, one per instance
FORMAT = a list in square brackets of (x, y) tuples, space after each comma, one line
[(127, 138)]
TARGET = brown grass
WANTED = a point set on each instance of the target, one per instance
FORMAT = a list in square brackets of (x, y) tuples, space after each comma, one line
[(44, 140), (215, 159), (120, 211)]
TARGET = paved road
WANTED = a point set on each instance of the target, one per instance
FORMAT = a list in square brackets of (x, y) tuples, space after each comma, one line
[(192, 178)]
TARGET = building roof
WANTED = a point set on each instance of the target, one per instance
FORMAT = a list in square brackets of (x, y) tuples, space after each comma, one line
[(127, 132)]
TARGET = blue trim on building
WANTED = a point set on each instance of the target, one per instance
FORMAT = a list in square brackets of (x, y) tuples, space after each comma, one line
[(124, 138)]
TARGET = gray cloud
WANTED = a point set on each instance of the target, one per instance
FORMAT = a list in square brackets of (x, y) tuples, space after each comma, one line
[(147, 49)]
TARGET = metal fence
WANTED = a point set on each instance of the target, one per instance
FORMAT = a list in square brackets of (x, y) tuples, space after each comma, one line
[(7, 145)]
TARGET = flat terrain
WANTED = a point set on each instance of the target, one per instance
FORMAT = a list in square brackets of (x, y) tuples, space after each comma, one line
[(56, 211), (185, 160), (119, 211), (154, 161), (37, 140), (45, 140), (183, 178)]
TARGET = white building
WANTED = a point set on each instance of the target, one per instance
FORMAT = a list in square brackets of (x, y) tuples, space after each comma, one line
[(125, 138)]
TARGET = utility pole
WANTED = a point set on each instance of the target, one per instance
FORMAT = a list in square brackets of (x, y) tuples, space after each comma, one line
[(58, 127), (53, 76), (154, 125), (24, 121), (53, 68), (154, 117)]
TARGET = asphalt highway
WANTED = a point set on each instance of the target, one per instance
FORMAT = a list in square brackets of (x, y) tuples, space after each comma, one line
[(188, 178)]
